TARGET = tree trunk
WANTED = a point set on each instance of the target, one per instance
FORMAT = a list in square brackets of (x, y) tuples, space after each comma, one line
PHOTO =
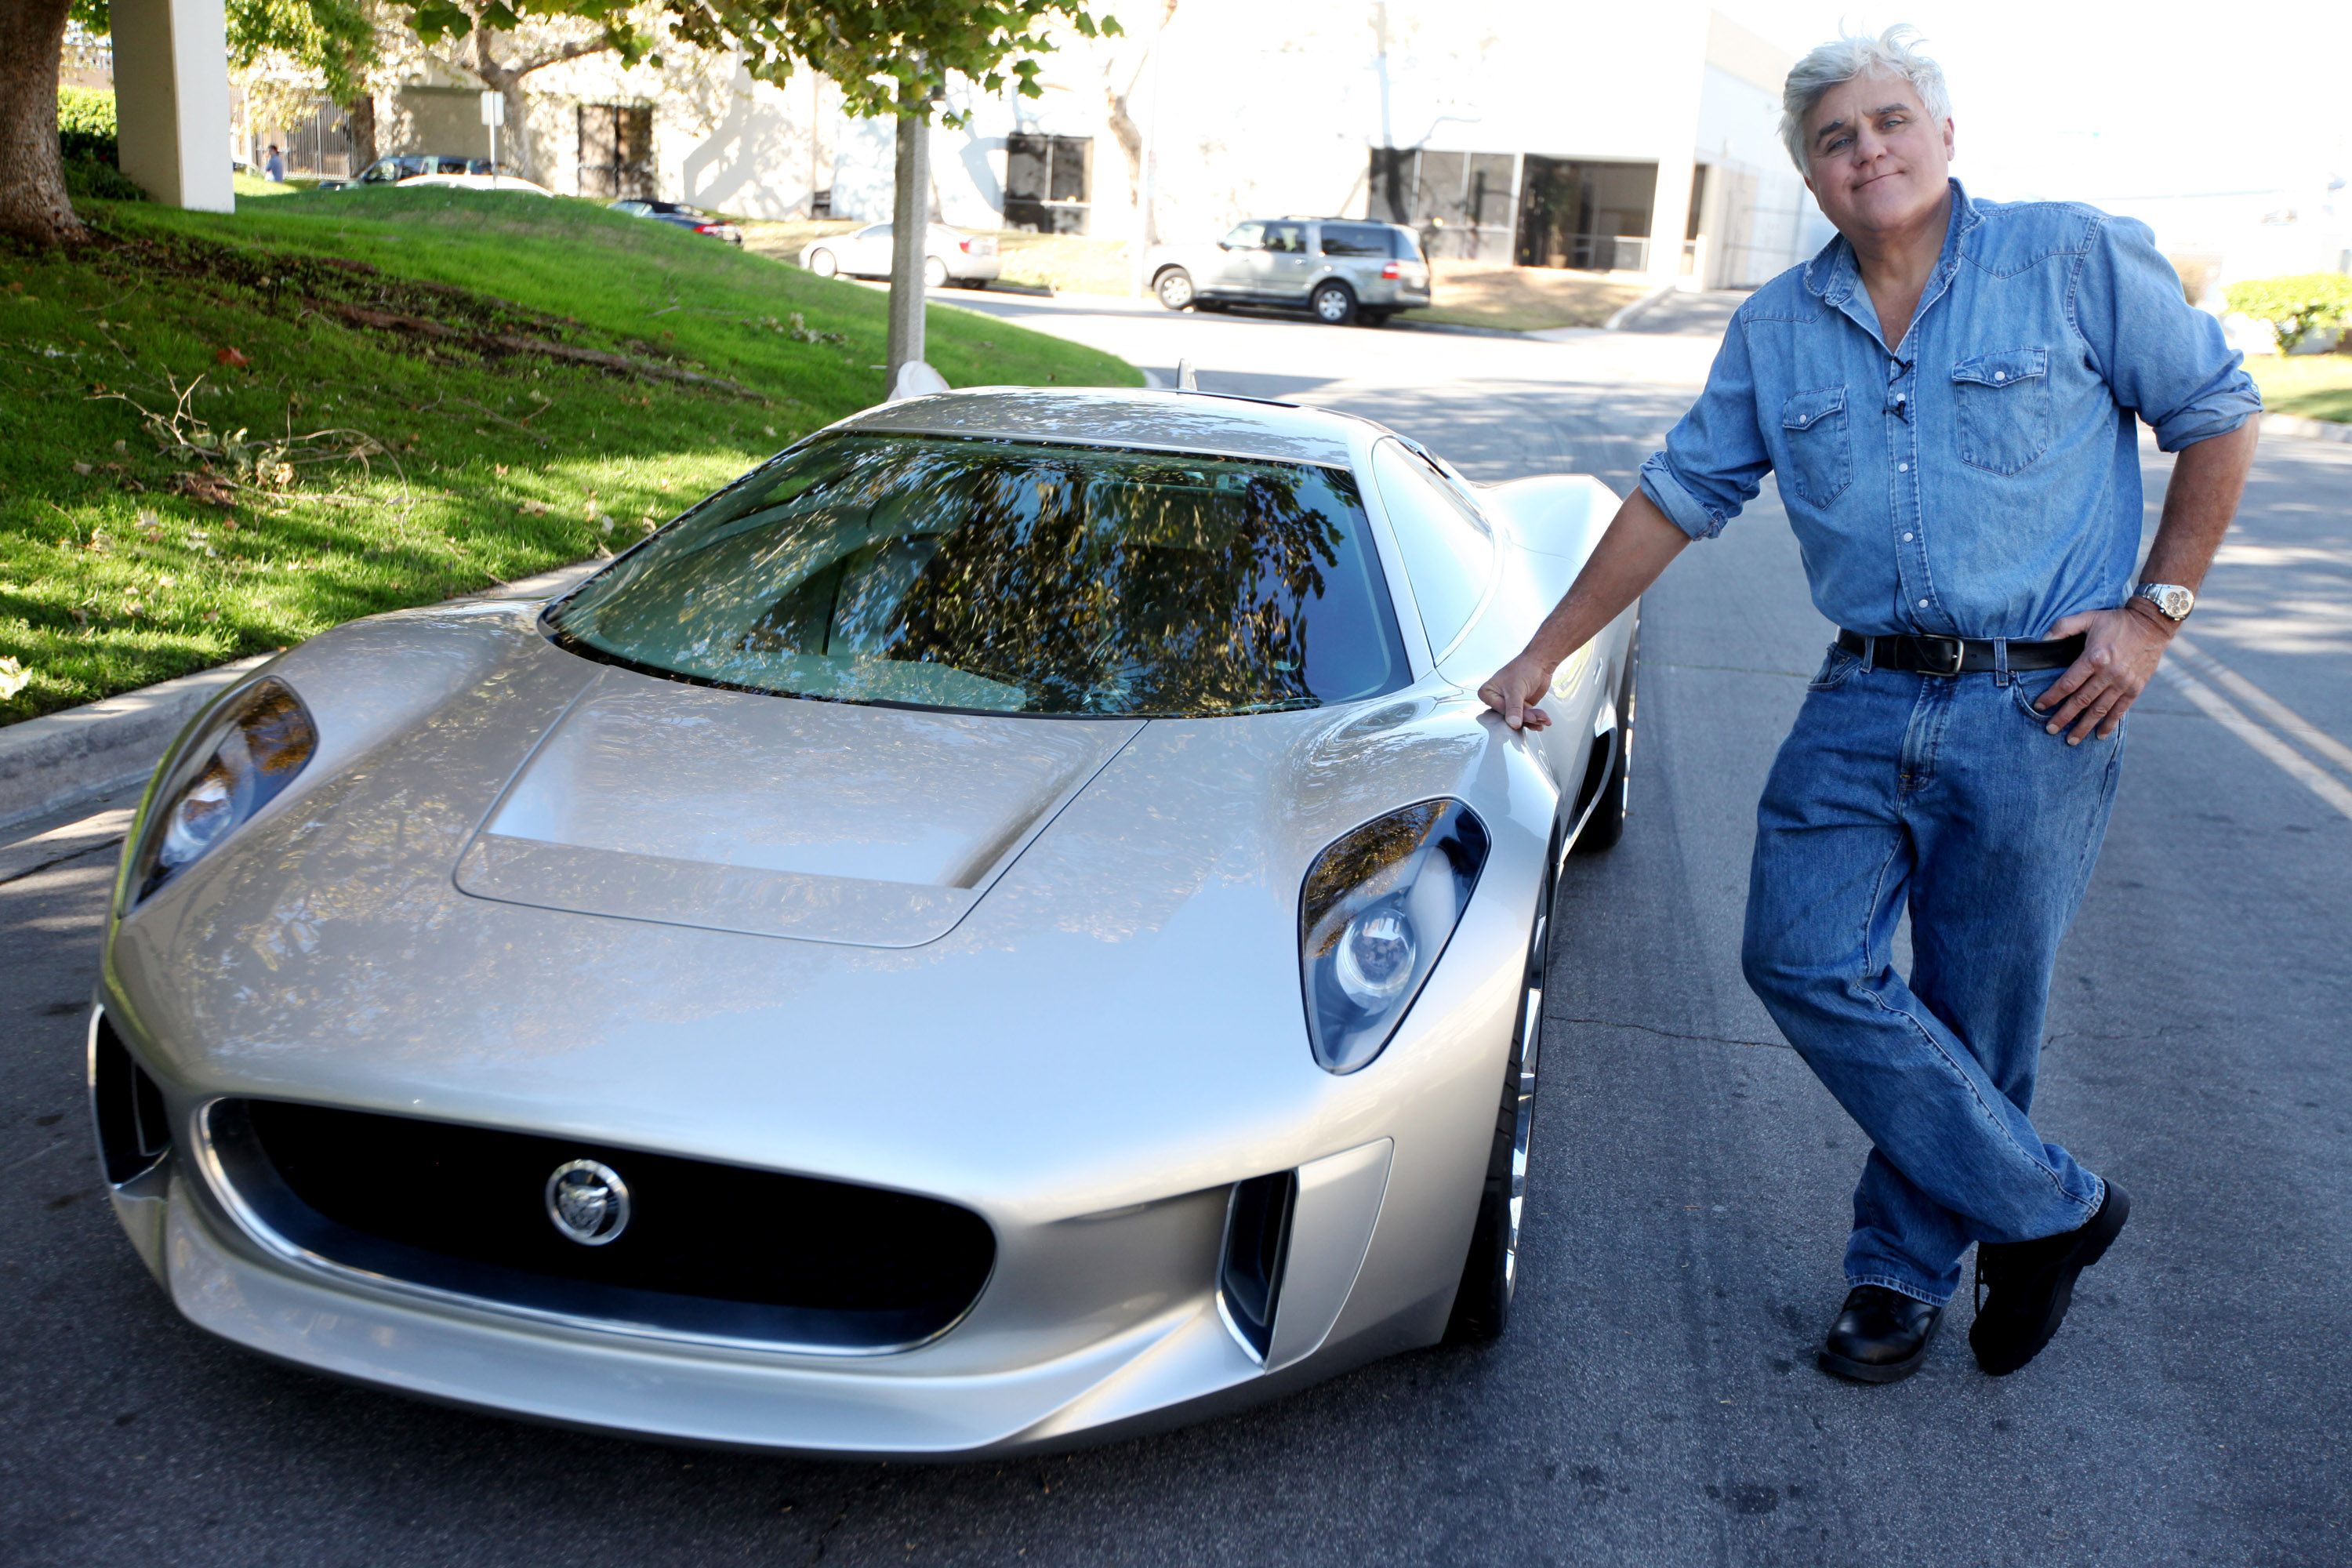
[(359, 118), (514, 145), (909, 249), (1130, 140), (33, 204)]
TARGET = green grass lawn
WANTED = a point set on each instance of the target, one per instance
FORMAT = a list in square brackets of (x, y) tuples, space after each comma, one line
[(206, 453), (2317, 386)]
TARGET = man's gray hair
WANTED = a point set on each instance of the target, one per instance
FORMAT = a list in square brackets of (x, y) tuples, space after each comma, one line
[(1858, 54)]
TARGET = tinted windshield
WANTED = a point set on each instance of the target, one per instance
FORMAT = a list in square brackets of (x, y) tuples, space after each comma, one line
[(1010, 577)]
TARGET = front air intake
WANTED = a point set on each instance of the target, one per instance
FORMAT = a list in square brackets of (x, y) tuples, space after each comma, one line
[(652, 1243), (1257, 1240), (133, 1129)]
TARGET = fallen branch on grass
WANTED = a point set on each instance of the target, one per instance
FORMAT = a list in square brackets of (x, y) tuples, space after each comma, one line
[(510, 343), (264, 467)]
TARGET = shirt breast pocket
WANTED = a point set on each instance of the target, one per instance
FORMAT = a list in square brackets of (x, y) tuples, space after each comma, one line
[(2003, 404), (1821, 455)]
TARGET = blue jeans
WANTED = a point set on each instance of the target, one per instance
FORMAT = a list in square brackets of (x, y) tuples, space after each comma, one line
[(1947, 797)]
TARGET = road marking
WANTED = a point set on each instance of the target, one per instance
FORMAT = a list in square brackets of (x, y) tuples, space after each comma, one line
[(2296, 727), (2290, 762)]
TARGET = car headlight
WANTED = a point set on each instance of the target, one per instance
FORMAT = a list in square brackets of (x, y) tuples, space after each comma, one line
[(1378, 907), (250, 749)]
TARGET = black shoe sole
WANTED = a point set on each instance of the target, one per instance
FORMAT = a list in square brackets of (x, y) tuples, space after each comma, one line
[(1836, 1366), (1999, 1360)]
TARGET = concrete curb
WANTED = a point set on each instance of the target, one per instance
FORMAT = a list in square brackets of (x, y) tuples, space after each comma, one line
[(2309, 429), (1617, 322), (58, 760)]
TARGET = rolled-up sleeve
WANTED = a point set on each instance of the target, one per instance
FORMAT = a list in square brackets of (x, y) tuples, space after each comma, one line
[(2166, 360), (1715, 459)]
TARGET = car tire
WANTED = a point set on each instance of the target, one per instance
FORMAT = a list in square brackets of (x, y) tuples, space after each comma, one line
[(823, 264), (1481, 1302), (1334, 303), (1606, 825), (935, 272), (1174, 288)]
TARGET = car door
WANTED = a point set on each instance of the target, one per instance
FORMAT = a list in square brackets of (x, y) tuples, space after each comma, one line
[(1284, 268), (1227, 270), (868, 252)]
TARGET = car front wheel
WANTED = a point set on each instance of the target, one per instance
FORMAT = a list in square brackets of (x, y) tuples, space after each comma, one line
[(822, 264), (1606, 825), (935, 272), (1490, 1274), (1333, 304), (1174, 288)]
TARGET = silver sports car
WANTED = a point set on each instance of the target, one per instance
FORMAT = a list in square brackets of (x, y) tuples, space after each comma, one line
[(1003, 926)]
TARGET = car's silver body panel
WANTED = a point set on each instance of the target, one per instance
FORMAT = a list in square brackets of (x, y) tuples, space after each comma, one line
[(1047, 969)]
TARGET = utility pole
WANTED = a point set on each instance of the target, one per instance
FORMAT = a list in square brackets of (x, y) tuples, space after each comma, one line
[(910, 228)]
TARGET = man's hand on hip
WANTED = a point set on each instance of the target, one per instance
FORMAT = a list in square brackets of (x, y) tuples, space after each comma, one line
[(2121, 650), (1516, 689)]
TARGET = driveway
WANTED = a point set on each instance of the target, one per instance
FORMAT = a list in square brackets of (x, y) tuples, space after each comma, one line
[(1654, 1402)]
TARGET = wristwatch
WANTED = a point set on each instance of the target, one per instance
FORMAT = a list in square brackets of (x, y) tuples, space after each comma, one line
[(2173, 601)]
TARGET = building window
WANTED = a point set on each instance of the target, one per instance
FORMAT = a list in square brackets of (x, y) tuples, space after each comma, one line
[(1461, 202), (616, 151), (1048, 183), (1586, 214)]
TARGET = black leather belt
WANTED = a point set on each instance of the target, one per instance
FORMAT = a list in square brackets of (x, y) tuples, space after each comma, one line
[(1958, 655)]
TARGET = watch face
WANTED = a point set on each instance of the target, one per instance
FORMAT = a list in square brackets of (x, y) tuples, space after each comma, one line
[(2175, 602)]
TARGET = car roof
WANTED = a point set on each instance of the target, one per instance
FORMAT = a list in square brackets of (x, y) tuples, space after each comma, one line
[(1165, 421)]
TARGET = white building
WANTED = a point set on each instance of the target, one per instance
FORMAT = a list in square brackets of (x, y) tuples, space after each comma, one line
[(1635, 140)]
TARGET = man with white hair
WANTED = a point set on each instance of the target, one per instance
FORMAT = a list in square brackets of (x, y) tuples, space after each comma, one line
[(1946, 397)]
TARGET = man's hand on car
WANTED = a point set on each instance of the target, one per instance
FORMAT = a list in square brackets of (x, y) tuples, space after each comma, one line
[(1516, 689)]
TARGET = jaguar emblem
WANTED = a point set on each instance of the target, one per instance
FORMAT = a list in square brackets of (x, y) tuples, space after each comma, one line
[(588, 1202)]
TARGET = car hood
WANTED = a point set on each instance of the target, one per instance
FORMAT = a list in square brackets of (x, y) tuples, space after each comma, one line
[(653, 799)]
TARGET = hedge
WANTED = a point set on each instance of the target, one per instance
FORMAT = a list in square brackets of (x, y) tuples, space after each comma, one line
[(85, 124), (2295, 307)]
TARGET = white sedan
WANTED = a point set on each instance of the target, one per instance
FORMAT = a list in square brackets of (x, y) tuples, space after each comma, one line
[(967, 261), (507, 184)]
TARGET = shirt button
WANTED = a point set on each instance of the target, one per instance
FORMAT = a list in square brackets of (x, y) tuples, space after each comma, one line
[(2000, 375), (1903, 468), (1923, 604), (1907, 539)]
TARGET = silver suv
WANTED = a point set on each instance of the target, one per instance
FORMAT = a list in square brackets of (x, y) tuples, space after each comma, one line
[(1342, 270)]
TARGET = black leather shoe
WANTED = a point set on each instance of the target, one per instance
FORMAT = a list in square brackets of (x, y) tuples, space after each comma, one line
[(1880, 1336), (2023, 1288)]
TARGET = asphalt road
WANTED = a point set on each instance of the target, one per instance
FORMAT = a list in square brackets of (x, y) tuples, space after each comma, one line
[(1654, 1402)]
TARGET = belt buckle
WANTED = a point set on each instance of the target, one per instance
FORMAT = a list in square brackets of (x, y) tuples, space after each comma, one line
[(1959, 654)]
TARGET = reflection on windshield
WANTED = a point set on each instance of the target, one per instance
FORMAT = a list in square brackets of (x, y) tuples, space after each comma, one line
[(1010, 577)]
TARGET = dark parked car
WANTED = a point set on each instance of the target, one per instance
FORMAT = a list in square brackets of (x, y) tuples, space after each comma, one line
[(684, 217)]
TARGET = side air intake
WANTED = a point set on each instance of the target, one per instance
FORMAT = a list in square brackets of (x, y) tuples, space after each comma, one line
[(133, 1129), (1258, 1243)]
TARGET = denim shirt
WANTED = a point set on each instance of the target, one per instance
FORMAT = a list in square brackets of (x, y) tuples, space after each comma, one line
[(1981, 479)]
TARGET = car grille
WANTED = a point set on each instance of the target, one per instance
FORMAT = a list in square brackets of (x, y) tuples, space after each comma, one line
[(709, 1250)]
